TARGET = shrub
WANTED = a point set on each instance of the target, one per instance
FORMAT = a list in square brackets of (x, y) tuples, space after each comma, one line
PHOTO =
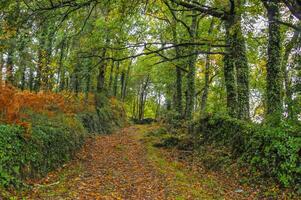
[(105, 119), (226, 131), (273, 151), (11, 154), (52, 141)]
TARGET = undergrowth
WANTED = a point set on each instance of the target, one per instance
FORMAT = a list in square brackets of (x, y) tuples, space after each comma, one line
[(272, 152), (41, 131), (258, 153)]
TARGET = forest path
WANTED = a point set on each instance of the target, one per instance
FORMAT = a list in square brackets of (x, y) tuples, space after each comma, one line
[(126, 165), (108, 167)]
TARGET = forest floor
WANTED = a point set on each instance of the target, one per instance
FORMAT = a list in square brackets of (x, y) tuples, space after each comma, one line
[(126, 165)]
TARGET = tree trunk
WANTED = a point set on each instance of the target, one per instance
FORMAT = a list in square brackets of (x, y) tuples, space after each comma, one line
[(191, 70), (61, 69), (101, 78), (10, 67), (142, 98), (207, 74), (274, 103), (158, 106), (122, 83), (31, 79), (111, 79), (179, 106), (88, 86), (76, 79), (41, 61), (236, 63), (242, 72), (47, 74), (285, 70), (23, 76), (127, 76), (115, 85), (1, 68)]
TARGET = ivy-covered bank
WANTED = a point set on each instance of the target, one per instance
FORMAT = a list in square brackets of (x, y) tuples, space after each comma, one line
[(47, 141), (272, 152)]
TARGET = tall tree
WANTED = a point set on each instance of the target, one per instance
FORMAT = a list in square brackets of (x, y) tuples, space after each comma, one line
[(274, 83)]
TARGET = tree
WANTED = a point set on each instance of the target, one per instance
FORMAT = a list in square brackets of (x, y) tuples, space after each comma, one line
[(274, 83)]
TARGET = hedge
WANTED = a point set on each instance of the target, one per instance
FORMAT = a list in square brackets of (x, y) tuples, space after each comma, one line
[(50, 143), (274, 151)]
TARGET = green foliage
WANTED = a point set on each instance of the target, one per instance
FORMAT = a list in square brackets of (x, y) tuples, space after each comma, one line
[(168, 142), (11, 153), (50, 143), (276, 153), (174, 120), (159, 132), (109, 114), (271, 152), (225, 130)]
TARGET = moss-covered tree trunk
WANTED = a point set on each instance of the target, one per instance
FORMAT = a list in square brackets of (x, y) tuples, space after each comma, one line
[(191, 70), (61, 69), (124, 82), (142, 97), (111, 78), (287, 80), (242, 74), (178, 97), (23, 69), (41, 59), (206, 75), (273, 79), (115, 85), (229, 71), (47, 72), (31, 79), (236, 69), (101, 93), (101, 78)]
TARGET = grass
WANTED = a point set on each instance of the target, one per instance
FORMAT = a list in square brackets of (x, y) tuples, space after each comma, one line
[(181, 182)]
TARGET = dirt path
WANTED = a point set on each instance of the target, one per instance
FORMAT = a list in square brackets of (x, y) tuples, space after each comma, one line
[(109, 167), (126, 165)]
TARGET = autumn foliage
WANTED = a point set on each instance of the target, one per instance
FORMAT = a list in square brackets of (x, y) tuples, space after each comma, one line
[(14, 102)]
